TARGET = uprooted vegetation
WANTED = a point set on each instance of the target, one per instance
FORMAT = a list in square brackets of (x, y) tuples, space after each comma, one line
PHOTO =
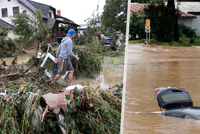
[(32, 105), (28, 104), (91, 58)]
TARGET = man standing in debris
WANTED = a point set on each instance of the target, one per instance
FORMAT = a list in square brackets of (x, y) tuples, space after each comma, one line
[(64, 52)]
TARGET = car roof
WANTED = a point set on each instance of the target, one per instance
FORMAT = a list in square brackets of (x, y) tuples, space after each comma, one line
[(195, 111), (163, 89)]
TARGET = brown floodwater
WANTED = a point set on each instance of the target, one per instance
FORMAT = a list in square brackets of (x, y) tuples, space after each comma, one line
[(153, 66)]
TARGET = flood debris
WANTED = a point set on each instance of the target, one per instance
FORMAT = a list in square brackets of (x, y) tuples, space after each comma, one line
[(30, 105)]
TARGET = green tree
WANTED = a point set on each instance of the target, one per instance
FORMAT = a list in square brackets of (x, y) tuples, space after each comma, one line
[(31, 29), (162, 27), (137, 25), (7, 45), (114, 15), (174, 12)]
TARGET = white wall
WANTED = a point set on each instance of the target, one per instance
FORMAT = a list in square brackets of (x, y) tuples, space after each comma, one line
[(194, 23), (12, 35), (9, 6)]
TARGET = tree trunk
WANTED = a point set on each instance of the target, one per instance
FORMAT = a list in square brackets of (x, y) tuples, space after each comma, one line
[(171, 6)]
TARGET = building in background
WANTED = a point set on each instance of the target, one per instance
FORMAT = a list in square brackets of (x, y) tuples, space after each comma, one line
[(50, 15)]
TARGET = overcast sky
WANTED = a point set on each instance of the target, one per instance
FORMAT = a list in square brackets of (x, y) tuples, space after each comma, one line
[(75, 10)]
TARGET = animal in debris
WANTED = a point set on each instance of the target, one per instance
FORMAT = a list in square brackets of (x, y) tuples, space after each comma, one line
[(3, 62)]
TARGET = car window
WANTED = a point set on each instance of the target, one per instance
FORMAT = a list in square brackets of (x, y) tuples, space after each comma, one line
[(174, 96), (188, 117), (178, 115)]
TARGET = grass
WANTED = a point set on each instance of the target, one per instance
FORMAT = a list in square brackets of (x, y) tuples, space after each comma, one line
[(183, 42), (134, 41)]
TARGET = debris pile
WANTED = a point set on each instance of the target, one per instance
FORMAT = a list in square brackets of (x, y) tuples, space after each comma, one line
[(29, 104)]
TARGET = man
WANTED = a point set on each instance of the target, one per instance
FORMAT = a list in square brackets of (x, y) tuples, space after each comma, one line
[(63, 54)]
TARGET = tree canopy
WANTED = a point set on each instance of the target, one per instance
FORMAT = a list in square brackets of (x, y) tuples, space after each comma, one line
[(7, 45), (31, 29), (115, 15)]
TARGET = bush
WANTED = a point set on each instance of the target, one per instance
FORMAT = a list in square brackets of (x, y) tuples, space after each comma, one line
[(80, 40), (137, 26), (191, 32), (7, 45), (188, 31)]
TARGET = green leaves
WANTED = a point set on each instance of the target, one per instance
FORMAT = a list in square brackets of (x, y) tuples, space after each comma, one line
[(68, 101), (31, 29), (162, 22), (7, 45), (67, 96), (114, 15)]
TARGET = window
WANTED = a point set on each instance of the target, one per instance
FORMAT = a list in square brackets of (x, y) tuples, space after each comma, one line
[(188, 117), (4, 12), (50, 15), (15, 10), (169, 96), (178, 115)]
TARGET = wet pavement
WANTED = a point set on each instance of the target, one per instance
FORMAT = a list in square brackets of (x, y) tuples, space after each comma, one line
[(153, 66)]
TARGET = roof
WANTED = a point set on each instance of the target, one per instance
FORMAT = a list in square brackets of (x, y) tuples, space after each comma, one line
[(33, 6), (63, 19), (51, 22), (135, 7), (5, 24), (185, 15), (45, 9), (29, 6)]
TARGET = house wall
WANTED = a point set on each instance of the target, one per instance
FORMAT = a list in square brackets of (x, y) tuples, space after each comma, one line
[(196, 25), (12, 35), (191, 22), (9, 6)]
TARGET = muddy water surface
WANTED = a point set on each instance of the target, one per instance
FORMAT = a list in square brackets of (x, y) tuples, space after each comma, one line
[(150, 67)]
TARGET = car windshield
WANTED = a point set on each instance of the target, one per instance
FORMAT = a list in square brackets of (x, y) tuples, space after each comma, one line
[(175, 96)]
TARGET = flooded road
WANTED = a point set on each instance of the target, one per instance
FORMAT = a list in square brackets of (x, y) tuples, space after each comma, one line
[(150, 67)]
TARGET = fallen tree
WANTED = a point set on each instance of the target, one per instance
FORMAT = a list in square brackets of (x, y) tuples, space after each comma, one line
[(30, 105)]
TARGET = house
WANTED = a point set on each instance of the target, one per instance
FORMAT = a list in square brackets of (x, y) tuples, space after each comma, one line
[(189, 13), (50, 15), (190, 8)]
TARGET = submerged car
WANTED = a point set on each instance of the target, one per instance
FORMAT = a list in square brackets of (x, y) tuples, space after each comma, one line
[(177, 102)]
